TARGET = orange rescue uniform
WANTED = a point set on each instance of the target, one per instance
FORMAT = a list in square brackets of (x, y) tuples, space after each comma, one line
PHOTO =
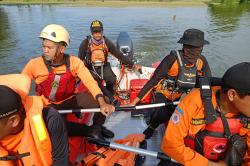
[(37, 70), (191, 108), (34, 137)]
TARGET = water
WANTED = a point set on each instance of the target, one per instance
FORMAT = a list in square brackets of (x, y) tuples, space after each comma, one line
[(153, 30)]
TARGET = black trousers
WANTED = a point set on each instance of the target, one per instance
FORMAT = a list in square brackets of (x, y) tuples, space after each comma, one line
[(108, 76), (161, 114), (81, 100), (58, 135)]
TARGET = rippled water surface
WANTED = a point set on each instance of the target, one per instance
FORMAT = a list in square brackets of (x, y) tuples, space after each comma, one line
[(153, 30)]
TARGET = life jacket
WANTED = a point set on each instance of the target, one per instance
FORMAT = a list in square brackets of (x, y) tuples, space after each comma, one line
[(34, 147), (180, 78), (99, 52), (57, 87), (212, 142), (23, 86)]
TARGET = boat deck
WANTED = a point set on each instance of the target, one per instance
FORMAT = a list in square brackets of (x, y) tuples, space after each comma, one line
[(122, 124)]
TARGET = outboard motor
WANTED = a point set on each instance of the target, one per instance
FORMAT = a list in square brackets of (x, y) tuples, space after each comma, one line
[(125, 45)]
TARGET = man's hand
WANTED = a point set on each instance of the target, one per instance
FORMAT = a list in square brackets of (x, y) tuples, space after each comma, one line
[(133, 103), (219, 163), (87, 59), (106, 109), (138, 67)]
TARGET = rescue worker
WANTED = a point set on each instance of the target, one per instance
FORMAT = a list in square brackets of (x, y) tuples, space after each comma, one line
[(176, 74), (191, 140), (30, 135), (93, 51), (55, 76)]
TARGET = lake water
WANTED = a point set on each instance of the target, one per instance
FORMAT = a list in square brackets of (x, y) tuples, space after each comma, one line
[(153, 30)]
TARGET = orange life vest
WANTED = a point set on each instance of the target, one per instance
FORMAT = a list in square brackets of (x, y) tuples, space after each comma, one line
[(99, 52), (20, 83), (109, 157), (34, 147), (168, 87)]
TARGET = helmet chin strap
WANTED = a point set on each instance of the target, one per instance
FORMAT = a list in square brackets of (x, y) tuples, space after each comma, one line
[(57, 54)]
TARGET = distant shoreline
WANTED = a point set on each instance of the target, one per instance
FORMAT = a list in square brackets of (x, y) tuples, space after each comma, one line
[(109, 3)]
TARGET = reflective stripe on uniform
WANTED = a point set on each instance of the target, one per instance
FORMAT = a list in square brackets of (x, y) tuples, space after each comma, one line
[(54, 87), (38, 122)]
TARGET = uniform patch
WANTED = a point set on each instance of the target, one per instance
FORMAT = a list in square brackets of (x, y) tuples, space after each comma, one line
[(246, 122), (198, 121), (247, 126), (175, 118), (179, 110)]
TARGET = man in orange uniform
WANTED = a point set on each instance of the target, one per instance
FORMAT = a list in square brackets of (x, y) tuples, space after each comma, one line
[(55, 76), (94, 51), (191, 140), (177, 73), (30, 135)]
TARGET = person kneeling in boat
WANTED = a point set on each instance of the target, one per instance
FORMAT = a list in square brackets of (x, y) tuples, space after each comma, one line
[(193, 138), (55, 76), (30, 134), (176, 74), (93, 51)]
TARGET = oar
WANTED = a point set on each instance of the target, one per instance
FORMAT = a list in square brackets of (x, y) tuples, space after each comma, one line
[(119, 108), (139, 107), (158, 155)]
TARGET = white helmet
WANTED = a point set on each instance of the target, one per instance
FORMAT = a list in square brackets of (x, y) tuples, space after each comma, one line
[(55, 33)]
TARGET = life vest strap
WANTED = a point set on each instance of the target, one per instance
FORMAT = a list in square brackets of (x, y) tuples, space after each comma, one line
[(206, 96), (14, 157), (226, 126)]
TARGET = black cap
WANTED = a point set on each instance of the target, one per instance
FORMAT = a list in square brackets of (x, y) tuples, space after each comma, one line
[(238, 77), (193, 37), (96, 26), (10, 101)]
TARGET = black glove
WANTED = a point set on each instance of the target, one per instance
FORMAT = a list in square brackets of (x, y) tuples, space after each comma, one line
[(87, 59)]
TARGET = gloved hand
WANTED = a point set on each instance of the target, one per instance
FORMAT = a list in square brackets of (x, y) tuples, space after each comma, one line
[(138, 68), (87, 60)]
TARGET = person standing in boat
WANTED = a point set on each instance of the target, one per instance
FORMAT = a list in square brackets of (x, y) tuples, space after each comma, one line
[(176, 74), (30, 134), (55, 76), (94, 50), (191, 138)]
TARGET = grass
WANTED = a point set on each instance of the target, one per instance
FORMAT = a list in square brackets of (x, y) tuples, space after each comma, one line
[(111, 3)]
